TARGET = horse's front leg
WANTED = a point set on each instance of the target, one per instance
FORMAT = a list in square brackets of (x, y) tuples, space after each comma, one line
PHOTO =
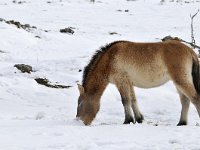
[(126, 101), (127, 109), (138, 115)]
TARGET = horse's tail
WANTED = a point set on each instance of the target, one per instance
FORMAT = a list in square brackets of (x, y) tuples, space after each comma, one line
[(196, 73)]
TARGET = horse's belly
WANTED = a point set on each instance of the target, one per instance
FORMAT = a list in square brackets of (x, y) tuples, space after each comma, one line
[(148, 79), (146, 73)]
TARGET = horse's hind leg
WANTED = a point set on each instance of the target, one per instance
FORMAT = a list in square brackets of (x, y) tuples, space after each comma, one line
[(125, 92), (186, 87), (185, 107), (138, 116), (192, 95)]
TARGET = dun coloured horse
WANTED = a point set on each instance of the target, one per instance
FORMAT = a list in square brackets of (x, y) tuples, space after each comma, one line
[(145, 65)]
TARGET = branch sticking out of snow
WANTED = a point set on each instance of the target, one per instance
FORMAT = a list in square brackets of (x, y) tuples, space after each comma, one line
[(45, 82), (192, 28)]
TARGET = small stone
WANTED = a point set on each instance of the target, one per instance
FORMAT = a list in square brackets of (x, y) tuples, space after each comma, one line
[(167, 38), (67, 30), (1, 51), (113, 33), (38, 37), (24, 68)]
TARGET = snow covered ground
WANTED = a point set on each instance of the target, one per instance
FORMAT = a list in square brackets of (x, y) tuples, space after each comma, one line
[(35, 117)]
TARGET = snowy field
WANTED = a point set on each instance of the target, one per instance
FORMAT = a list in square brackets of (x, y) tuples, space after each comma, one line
[(35, 117)]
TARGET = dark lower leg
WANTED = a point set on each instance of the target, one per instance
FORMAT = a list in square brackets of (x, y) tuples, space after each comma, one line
[(138, 116), (127, 111)]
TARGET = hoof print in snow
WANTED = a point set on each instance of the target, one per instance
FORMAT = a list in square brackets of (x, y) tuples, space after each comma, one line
[(24, 68), (67, 30), (40, 116), (197, 124), (45, 82)]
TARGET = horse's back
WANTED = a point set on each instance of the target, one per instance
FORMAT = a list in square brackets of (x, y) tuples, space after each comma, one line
[(150, 64)]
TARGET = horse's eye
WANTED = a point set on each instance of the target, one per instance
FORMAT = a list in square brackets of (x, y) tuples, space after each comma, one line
[(79, 101), (79, 105)]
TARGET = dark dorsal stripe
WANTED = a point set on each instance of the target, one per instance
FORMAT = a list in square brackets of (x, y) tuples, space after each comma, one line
[(95, 59)]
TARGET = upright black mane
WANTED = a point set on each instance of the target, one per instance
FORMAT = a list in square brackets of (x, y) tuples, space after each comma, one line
[(94, 60)]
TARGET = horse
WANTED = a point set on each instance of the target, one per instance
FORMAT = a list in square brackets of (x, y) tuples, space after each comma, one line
[(145, 65)]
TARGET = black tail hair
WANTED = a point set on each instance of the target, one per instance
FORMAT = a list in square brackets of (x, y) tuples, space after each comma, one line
[(196, 74)]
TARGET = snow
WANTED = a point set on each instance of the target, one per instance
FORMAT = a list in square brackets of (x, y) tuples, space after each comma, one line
[(34, 117)]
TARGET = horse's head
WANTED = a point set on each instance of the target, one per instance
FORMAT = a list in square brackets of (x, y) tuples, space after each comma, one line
[(87, 106)]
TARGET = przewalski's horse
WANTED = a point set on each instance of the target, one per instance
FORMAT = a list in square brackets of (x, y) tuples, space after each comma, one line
[(145, 65)]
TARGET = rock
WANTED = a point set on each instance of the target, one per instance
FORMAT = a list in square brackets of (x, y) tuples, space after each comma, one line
[(67, 30), (38, 37), (24, 68), (1, 51), (167, 38), (2, 20), (18, 24), (113, 33), (18, 2)]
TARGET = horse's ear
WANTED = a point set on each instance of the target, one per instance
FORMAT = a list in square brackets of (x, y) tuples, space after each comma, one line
[(81, 89)]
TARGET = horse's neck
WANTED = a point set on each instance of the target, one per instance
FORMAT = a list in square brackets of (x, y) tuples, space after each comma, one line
[(95, 85)]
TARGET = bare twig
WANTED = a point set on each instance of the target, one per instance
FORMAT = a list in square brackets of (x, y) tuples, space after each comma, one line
[(192, 29), (190, 43)]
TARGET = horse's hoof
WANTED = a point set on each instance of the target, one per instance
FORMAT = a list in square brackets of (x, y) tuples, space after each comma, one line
[(182, 123), (140, 119), (128, 121)]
